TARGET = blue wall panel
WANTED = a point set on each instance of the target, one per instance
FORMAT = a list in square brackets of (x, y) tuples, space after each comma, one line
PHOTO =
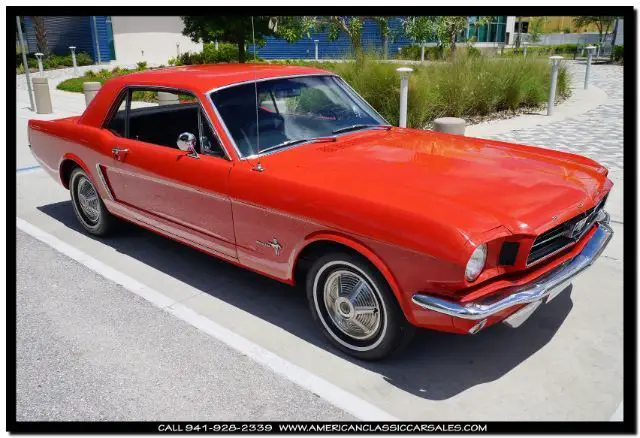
[(63, 32), (104, 27), (370, 38)]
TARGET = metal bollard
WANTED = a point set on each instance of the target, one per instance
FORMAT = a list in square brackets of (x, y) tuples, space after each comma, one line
[(43, 97), (422, 52), (404, 93), (316, 43), (450, 125), (90, 90), (555, 66), (73, 58), (587, 71), (40, 67), (167, 98)]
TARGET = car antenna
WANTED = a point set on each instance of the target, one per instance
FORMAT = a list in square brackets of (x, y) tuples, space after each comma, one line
[(258, 167)]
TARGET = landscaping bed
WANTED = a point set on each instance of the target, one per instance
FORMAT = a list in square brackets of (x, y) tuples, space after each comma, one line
[(52, 61), (466, 86)]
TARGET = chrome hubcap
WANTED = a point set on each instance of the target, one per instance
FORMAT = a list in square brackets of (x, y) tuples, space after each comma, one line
[(88, 200), (352, 305)]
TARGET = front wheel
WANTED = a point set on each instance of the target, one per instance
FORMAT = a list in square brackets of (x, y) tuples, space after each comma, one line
[(87, 205), (355, 307)]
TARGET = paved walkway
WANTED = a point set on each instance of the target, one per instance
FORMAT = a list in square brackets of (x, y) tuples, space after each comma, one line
[(597, 133)]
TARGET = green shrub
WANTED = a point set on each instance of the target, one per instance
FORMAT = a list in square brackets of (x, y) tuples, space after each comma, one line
[(75, 84), (82, 58), (560, 49), (412, 52), (226, 53), (142, 65), (53, 61), (618, 53)]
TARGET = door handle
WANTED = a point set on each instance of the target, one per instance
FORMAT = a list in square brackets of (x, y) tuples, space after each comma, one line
[(117, 151)]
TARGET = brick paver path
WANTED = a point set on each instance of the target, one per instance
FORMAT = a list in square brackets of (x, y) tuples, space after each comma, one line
[(596, 134)]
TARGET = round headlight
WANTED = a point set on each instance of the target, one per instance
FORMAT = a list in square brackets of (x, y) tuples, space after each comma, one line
[(476, 262)]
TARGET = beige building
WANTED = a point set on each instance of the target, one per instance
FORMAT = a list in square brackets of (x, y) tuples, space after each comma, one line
[(150, 39)]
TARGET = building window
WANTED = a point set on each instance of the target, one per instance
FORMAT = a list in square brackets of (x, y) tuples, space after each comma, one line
[(493, 32)]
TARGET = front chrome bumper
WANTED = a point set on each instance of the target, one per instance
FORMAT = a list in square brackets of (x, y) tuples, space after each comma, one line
[(548, 285)]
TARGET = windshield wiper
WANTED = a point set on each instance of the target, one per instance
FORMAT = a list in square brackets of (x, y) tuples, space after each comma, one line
[(297, 141), (361, 126)]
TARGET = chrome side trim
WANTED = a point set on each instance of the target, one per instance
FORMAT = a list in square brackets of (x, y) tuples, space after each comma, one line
[(536, 290), (104, 182)]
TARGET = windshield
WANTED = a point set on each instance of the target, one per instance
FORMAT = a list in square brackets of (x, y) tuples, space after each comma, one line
[(291, 111)]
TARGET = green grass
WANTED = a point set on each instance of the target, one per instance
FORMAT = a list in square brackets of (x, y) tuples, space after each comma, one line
[(465, 86)]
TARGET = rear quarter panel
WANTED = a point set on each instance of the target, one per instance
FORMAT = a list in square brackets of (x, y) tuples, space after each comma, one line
[(53, 142)]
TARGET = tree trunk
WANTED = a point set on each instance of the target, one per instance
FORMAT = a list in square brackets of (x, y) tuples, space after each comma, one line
[(357, 48), (452, 40), (41, 34), (241, 51)]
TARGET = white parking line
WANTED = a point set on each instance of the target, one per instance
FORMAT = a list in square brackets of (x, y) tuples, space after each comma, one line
[(328, 391), (29, 169)]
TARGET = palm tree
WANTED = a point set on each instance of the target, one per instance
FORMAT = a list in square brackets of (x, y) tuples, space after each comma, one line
[(41, 34)]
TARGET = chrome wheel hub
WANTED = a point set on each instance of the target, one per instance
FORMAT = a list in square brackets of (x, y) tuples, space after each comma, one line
[(351, 304), (88, 200)]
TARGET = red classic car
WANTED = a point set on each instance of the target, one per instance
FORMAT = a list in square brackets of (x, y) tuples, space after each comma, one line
[(287, 171)]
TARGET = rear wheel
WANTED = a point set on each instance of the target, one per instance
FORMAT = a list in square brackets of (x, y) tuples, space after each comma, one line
[(355, 307), (87, 205)]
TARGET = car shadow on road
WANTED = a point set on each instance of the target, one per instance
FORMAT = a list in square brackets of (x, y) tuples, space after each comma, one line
[(434, 365)]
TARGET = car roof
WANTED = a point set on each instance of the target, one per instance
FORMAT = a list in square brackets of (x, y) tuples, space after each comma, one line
[(204, 78)]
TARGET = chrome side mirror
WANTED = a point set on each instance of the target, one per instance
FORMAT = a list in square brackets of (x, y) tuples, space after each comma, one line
[(187, 142)]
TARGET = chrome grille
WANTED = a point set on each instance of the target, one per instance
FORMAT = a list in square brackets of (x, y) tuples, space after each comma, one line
[(563, 235)]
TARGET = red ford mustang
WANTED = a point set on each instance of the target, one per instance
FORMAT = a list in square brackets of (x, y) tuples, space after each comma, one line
[(288, 172)]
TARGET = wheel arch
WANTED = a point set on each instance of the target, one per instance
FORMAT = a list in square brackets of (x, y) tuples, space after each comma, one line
[(320, 243), (66, 166)]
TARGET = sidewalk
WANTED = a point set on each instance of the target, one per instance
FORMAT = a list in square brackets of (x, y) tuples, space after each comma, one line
[(591, 130)]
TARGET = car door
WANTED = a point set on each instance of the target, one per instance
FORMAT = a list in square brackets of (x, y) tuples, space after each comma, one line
[(172, 189)]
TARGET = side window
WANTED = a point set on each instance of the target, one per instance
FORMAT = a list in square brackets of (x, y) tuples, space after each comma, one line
[(118, 119), (208, 141), (159, 116)]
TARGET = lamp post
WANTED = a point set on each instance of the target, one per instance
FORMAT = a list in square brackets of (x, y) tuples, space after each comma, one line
[(590, 50), (40, 67), (23, 49), (73, 58), (178, 49), (404, 93), (555, 66)]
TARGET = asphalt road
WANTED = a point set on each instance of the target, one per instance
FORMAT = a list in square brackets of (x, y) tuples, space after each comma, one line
[(90, 350)]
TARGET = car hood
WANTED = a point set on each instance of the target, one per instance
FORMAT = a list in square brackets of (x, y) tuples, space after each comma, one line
[(473, 184)]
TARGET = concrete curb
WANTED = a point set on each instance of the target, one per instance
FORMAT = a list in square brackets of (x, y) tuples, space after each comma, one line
[(579, 103)]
